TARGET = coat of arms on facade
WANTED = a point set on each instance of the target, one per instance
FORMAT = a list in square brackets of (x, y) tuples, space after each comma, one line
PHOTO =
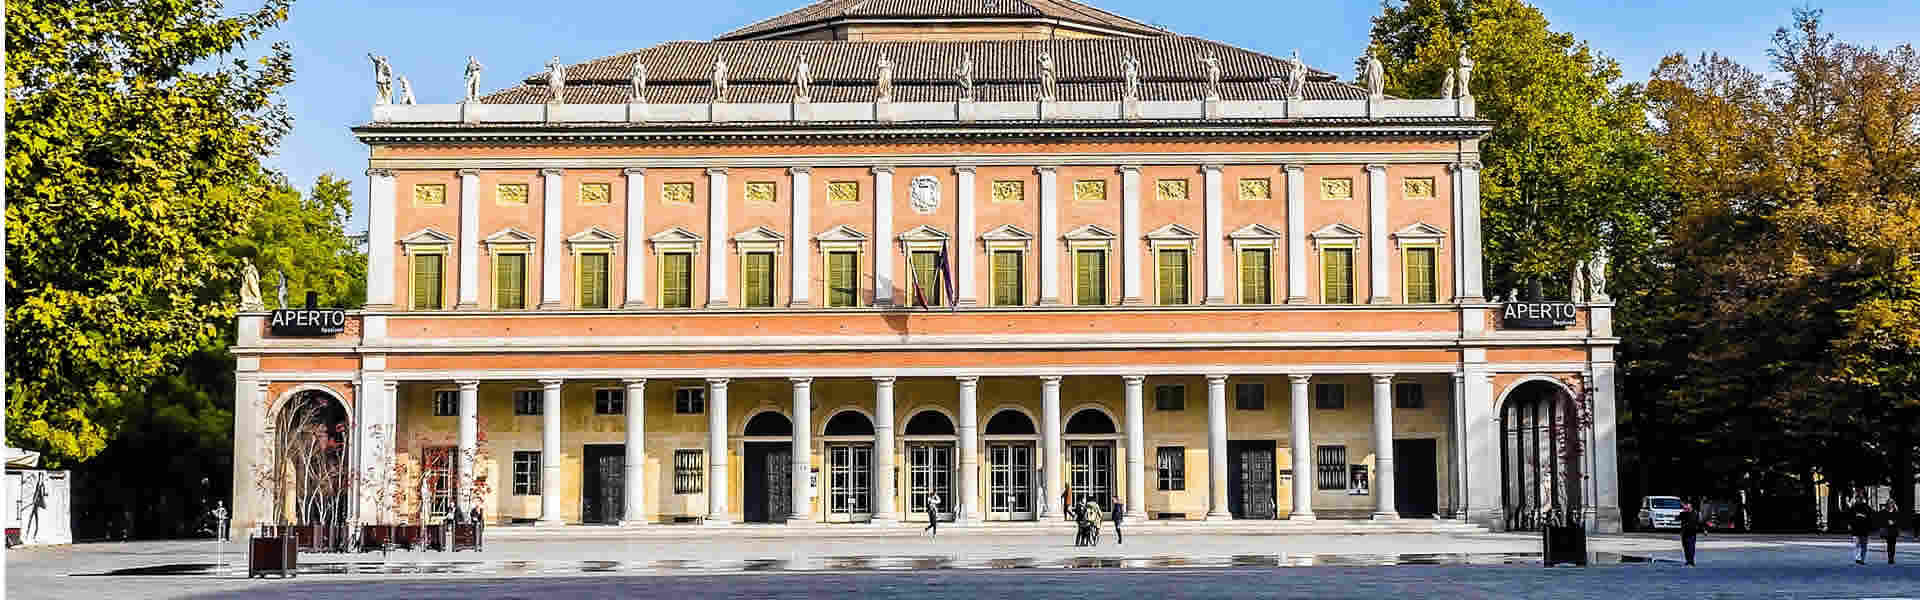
[(925, 194)]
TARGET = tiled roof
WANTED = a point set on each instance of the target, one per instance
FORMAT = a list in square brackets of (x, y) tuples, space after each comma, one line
[(1088, 69), (831, 10)]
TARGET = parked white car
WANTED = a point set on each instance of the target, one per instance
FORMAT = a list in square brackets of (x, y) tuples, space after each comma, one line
[(1660, 512)]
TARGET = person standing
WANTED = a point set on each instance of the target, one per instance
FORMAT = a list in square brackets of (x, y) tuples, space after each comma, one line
[(1092, 511), (933, 515), (1890, 527), (1079, 524), (1119, 510), (1689, 531), (1860, 525)]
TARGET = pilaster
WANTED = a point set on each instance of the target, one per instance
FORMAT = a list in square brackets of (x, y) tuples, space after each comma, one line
[(1296, 235), (380, 241), (469, 252), (1377, 229), (636, 236), (1216, 278), (717, 199), (883, 236), (552, 200), (1049, 239), (1130, 265)]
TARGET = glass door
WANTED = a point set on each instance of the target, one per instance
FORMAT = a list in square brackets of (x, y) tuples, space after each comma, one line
[(1010, 481), (929, 473), (850, 478), (1090, 473)]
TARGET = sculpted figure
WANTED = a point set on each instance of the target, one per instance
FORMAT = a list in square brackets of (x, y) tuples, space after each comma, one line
[(283, 288), (1049, 82), (382, 79), (473, 79), (1133, 77), (557, 80), (1213, 75), (639, 82), (719, 80), (802, 79), (885, 82), (406, 90), (1446, 86), (1466, 73), (1296, 77), (1376, 79), (249, 286), (965, 74)]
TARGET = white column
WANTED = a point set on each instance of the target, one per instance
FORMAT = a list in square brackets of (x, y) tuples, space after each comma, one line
[(1456, 452), (717, 474), (798, 284), (971, 501), (380, 218), (1136, 448), (249, 420), (1217, 448), (1383, 447), (1305, 479), (469, 283), (1482, 439), (1049, 236), (1469, 174), (882, 236), (1377, 228), (550, 452), (635, 465), (1216, 269), (802, 449), (636, 257), (1606, 452), (1296, 237), (965, 232), (469, 432), (1130, 266), (551, 247), (884, 487), (717, 237), (1051, 480)]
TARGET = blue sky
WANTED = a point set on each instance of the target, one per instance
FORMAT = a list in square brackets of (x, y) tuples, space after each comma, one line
[(429, 43)]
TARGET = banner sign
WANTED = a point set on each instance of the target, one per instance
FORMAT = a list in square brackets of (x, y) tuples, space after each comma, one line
[(307, 322), (1538, 315)]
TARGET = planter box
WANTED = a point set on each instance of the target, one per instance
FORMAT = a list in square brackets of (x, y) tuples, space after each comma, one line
[(272, 555), (436, 537), (1564, 545), (466, 536), (375, 537), (406, 536)]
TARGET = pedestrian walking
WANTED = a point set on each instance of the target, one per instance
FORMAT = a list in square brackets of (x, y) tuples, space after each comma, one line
[(933, 515), (1118, 510), (1860, 524), (1092, 510), (1890, 527), (1079, 524), (1689, 530)]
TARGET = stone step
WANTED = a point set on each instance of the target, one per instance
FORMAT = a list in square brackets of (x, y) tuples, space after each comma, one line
[(1327, 527)]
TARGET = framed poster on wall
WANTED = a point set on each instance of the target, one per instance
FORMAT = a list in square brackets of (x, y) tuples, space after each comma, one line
[(1357, 483)]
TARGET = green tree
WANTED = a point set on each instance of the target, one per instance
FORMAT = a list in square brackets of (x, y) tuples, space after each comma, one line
[(134, 147)]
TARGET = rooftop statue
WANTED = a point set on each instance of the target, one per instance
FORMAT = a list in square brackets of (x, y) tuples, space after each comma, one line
[(1049, 82), (382, 79), (719, 80), (1376, 79), (885, 79), (802, 80), (473, 79), (638, 93), (557, 80), (406, 90), (249, 286), (1213, 75), (1446, 85), (965, 74), (1133, 78), (1296, 77), (1466, 74)]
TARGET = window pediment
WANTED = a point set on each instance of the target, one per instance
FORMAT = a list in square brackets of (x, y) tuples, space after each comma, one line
[(594, 235), (759, 239), (1420, 232), (676, 238), (1337, 232), (426, 238), (1090, 233), (1006, 233), (1255, 231), (841, 233), (925, 233), (1173, 232)]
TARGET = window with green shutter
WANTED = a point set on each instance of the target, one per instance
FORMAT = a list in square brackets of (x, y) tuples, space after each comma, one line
[(509, 281), (593, 280), (427, 282), (1008, 278), (758, 279), (676, 280), (843, 283), (1420, 288), (924, 276), (1336, 272), (1173, 276), (1090, 277), (1256, 276)]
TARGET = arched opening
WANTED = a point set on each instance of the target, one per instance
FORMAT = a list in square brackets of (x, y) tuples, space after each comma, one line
[(929, 422), (849, 467), (1090, 462), (1090, 422), (1010, 422), (1540, 456), (849, 422), (1011, 494), (769, 424), (313, 479), (767, 468)]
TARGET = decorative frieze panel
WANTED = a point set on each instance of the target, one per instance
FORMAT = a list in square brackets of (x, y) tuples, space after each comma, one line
[(510, 194), (1090, 190), (1256, 188), (678, 192), (430, 194), (1009, 191), (761, 192), (843, 192), (596, 193), (1174, 190), (1418, 187), (1336, 188)]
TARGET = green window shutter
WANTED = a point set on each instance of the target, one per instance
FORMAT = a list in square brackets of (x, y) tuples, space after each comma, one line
[(842, 270), (1420, 288), (924, 277), (1007, 279), (593, 280), (1255, 276), (676, 280), (426, 282), (509, 281), (1337, 271), (1090, 277), (759, 279), (1173, 276)]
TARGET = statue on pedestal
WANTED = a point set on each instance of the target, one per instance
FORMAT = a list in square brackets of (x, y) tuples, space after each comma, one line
[(1376, 78), (1296, 77), (283, 288), (1213, 75), (1049, 81), (382, 79), (1133, 78), (965, 75), (473, 79), (406, 90), (802, 80), (249, 286), (1466, 73), (884, 81), (557, 80), (719, 80)]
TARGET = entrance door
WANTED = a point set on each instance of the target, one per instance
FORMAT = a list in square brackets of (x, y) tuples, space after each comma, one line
[(1090, 472), (1009, 481), (768, 475), (1250, 488), (930, 473), (603, 485), (1416, 489), (850, 482)]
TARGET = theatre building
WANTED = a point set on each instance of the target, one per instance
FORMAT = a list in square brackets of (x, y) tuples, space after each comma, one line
[(1005, 253)]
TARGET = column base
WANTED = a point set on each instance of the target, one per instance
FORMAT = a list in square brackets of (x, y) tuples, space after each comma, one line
[(551, 305), (1296, 299), (883, 519), (549, 523), (1214, 300), (716, 522), (1302, 516), (1386, 516), (633, 305), (970, 519), (1379, 300), (1050, 302), (1220, 516), (795, 520), (1133, 301), (966, 302), (717, 303), (800, 304), (635, 523), (467, 306), (1136, 515)]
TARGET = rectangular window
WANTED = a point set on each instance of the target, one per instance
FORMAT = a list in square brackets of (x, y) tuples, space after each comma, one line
[(843, 279), (1409, 395), (1332, 467), (1173, 468), (689, 401), (527, 402), (1330, 396), (1256, 276), (1009, 277), (446, 403), (924, 277), (609, 401), (1173, 276), (1169, 397), (1250, 396), (1090, 277), (757, 279), (676, 280), (509, 281), (526, 472), (427, 282), (593, 280), (1336, 269), (689, 475), (1420, 288)]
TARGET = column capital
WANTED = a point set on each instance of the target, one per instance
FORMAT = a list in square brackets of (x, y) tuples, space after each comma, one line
[(800, 381), (1465, 165), (1216, 379), (380, 173), (884, 380), (1214, 168), (967, 380), (1383, 378), (469, 172), (717, 382), (1133, 379), (1295, 168), (635, 170), (1376, 167), (716, 170), (551, 384), (634, 382), (799, 170), (552, 172), (1124, 169), (1459, 376), (964, 169), (1051, 380), (888, 169), (1300, 377), (468, 384), (1044, 170)]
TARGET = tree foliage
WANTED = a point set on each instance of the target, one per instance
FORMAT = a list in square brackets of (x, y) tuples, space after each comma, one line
[(134, 148), (305, 238)]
